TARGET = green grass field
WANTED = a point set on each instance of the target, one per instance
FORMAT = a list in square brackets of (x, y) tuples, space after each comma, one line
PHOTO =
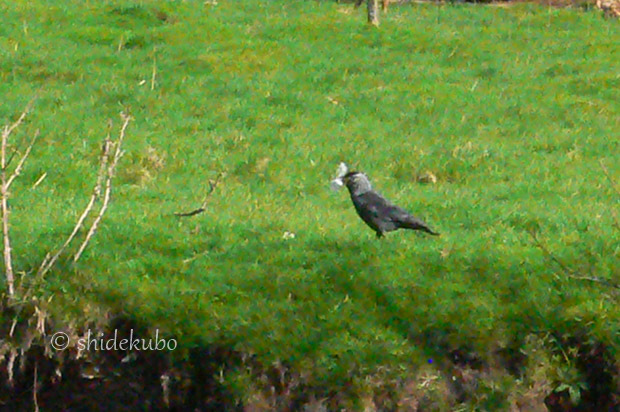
[(512, 109)]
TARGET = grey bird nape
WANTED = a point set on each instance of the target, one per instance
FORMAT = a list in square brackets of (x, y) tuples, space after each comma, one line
[(377, 212)]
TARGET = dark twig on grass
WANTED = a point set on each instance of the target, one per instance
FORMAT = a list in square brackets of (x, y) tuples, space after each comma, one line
[(567, 271), (212, 185)]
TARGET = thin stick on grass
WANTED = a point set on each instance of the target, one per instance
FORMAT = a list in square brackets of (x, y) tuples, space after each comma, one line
[(611, 180), (39, 180), (212, 185), (9, 129), (154, 73), (567, 271), (108, 187), (4, 194), (615, 188), (106, 170), (48, 262), (8, 261), (20, 165), (6, 184)]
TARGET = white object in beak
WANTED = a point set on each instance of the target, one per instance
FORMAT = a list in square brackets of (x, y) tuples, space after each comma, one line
[(337, 183)]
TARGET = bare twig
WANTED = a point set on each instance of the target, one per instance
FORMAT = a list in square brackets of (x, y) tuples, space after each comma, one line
[(18, 169), (4, 194), (9, 129), (108, 186), (39, 180), (165, 386), (611, 180), (10, 366), (4, 189), (35, 387), (154, 73), (212, 185), (10, 159), (614, 216), (567, 271), (48, 262), (13, 325)]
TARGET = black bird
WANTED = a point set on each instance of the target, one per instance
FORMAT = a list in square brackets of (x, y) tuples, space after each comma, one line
[(378, 212)]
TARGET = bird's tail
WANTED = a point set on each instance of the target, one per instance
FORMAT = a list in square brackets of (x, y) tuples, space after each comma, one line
[(416, 224)]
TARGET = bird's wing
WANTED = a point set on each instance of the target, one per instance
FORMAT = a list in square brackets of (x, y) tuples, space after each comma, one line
[(376, 204), (383, 207), (397, 215), (371, 208)]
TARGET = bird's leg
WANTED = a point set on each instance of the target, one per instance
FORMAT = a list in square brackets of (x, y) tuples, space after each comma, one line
[(379, 235)]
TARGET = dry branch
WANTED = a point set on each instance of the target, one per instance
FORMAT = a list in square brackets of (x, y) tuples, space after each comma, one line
[(35, 387), (48, 262), (611, 180), (154, 73), (8, 261), (118, 153), (107, 167), (39, 180), (615, 188), (212, 185), (11, 365), (567, 271), (4, 194), (20, 165)]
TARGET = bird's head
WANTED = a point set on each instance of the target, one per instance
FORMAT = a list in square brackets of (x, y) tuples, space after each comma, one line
[(357, 183)]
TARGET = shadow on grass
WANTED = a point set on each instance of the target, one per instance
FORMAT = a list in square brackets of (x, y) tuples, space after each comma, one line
[(293, 294)]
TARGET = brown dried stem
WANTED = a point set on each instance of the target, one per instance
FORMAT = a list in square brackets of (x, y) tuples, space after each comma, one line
[(48, 262), (35, 387), (20, 165), (107, 167), (567, 271), (615, 188), (8, 262), (5, 182), (108, 186), (212, 185), (611, 180)]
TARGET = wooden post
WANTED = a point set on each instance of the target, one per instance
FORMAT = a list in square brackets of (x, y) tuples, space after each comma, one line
[(373, 12)]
